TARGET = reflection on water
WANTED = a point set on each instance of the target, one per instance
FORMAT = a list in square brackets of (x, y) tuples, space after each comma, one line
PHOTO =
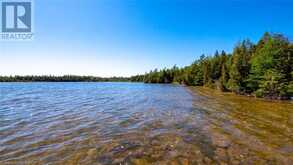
[(123, 123)]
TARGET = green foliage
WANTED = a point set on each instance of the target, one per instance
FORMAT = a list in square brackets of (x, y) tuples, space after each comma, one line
[(224, 74), (264, 69), (289, 89), (240, 66), (66, 78), (271, 66)]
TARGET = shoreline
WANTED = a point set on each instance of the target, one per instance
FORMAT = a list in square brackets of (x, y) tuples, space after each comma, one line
[(215, 91), (183, 85)]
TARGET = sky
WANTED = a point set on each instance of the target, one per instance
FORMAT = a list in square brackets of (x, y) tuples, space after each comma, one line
[(128, 37)]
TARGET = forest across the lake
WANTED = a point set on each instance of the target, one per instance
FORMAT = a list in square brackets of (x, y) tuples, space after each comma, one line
[(65, 78), (263, 69)]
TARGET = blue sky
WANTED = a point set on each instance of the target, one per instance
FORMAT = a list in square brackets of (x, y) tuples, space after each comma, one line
[(128, 37)]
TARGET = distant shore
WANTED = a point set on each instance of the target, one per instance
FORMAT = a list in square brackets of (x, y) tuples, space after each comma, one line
[(65, 78)]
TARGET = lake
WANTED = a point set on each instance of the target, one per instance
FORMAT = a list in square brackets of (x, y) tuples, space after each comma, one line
[(135, 123)]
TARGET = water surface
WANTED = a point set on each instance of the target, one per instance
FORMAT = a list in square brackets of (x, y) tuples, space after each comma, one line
[(133, 123)]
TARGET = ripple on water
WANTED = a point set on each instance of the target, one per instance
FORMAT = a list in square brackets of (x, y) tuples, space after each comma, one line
[(128, 123)]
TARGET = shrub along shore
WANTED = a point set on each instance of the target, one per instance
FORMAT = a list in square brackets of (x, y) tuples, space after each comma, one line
[(263, 69)]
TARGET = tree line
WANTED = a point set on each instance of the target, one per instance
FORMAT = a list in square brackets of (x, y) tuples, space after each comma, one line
[(66, 78), (263, 69)]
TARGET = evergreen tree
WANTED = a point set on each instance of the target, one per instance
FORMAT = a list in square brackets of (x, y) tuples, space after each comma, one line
[(239, 70), (264, 69), (271, 66)]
